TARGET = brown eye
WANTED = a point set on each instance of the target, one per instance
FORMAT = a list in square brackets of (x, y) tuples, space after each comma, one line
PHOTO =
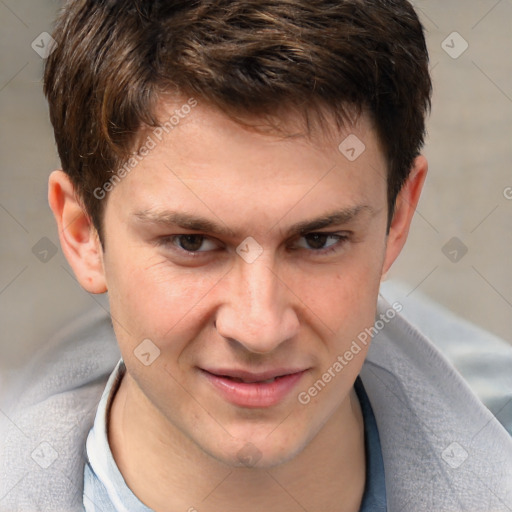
[(317, 240), (190, 243), (322, 243)]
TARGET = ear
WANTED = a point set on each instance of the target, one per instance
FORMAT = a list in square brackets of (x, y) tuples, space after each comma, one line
[(405, 206), (78, 238)]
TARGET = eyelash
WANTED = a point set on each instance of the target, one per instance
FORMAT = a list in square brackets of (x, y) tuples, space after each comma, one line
[(341, 239), (171, 241)]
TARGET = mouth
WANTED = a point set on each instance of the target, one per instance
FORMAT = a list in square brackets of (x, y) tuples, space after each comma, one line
[(246, 389), (237, 379)]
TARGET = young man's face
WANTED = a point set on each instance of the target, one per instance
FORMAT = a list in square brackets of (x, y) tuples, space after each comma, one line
[(234, 251)]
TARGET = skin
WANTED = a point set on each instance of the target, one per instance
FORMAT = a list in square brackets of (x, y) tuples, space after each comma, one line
[(175, 439)]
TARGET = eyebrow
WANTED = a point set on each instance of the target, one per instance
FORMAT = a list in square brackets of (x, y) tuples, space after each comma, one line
[(336, 218), (193, 222)]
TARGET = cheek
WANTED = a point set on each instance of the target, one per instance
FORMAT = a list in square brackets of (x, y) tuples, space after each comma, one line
[(342, 297), (149, 298)]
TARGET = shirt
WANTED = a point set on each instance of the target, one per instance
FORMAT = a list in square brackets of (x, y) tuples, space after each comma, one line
[(106, 491)]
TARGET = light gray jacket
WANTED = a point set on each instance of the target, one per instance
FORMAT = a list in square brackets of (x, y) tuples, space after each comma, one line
[(443, 450)]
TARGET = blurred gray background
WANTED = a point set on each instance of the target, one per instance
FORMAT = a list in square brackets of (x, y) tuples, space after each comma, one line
[(460, 248)]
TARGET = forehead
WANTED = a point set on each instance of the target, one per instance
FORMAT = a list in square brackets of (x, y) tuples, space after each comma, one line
[(314, 127), (201, 160)]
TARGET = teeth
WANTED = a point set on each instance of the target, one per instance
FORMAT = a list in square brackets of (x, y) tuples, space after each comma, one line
[(268, 380)]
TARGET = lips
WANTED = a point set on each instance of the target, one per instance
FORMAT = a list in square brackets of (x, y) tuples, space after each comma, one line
[(251, 380), (248, 389), (251, 377)]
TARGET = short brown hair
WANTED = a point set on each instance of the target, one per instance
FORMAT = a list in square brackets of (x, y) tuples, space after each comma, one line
[(114, 59)]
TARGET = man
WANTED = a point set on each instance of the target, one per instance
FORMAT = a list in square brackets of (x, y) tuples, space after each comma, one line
[(239, 176)]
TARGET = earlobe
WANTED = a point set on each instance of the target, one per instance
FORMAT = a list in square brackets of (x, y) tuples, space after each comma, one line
[(405, 206), (78, 237)]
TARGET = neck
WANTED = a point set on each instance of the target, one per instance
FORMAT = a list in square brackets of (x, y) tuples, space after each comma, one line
[(169, 473)]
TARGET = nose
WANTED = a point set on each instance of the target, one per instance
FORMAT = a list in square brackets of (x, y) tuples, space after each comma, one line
[(258, 309)]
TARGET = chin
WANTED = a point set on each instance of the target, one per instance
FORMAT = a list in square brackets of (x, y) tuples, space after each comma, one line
[(265, 453)]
